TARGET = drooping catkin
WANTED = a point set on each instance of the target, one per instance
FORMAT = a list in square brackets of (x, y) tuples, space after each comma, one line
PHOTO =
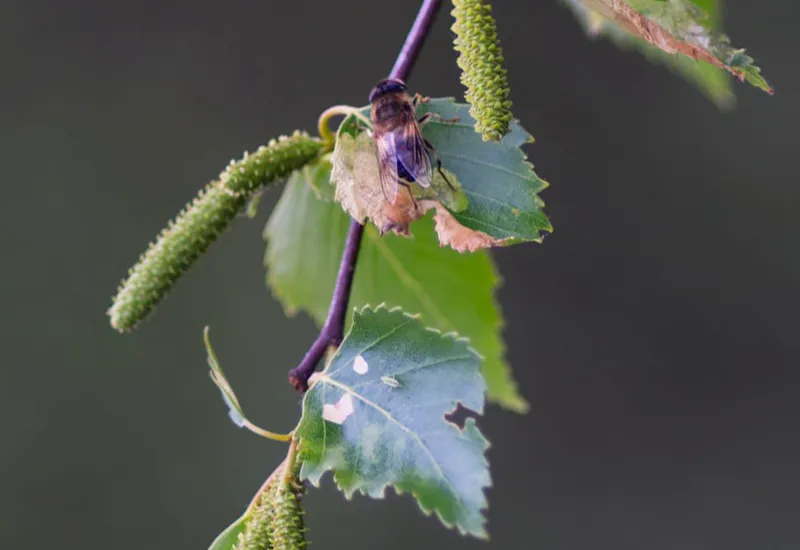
[(182, 242), (287, 528), (257, 532), (482, 73)]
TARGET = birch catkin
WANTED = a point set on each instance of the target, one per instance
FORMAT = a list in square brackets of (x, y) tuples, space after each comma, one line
[(287, 528), (482, 73), (182, 242)]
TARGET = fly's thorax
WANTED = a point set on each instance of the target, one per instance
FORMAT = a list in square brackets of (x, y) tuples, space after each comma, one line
[(391, 111)]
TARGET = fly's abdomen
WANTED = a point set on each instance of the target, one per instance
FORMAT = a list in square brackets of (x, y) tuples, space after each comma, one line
[(403, 173)]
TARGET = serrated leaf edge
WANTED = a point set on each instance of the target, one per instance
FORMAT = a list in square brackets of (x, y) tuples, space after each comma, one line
[(516, 146), (470, 429)]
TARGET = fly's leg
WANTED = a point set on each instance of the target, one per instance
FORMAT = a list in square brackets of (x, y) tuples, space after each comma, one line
[(438, 162), (427, 117), (410, 194), (418, 99), (424, 119)]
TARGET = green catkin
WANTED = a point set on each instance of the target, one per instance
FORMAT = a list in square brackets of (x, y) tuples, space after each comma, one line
[(182, 242), (256, 535), (482, 73), (287, 528)]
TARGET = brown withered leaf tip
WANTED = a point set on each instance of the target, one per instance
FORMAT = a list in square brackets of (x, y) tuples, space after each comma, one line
[(637, 24)]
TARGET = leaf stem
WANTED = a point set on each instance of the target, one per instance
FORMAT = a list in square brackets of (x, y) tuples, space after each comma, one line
[(333, 330), (290, 464), (266, 433), (415, 39), (324, 130)]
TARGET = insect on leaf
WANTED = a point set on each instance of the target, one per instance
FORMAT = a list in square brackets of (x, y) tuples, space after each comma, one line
[(358, 189), (373, 435), (451, 291), (499, 183)]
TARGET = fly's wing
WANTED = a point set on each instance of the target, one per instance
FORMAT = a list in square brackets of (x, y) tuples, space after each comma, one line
[(387, 165), (413, 155)]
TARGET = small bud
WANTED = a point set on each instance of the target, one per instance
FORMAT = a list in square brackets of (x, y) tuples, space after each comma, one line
[(481, 62), (182, 242)]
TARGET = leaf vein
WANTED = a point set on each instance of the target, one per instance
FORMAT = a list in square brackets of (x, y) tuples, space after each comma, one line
[(414, 285), (415, 368), (328, 380), (499, 168)]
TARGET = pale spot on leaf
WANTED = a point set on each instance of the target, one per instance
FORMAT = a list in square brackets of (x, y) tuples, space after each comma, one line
[(338, 412), (360, 365)]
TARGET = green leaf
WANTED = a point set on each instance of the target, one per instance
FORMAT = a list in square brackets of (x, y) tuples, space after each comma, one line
[(712, 81), (497, 178), (305, 240), (372, 435), (230, 536), (452, 291), (675, 27)]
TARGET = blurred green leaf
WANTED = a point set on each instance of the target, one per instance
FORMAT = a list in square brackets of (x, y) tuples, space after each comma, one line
[(372, 435), (452, 291), (693, 22)]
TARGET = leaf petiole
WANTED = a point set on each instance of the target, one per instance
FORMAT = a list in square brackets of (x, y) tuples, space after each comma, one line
[(337, 110)]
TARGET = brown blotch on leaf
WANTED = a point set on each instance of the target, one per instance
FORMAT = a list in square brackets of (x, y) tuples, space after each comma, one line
[(458, 237), (397, 217), (358, 190)]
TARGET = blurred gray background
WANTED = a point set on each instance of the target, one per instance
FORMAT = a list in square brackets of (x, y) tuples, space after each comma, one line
[(654, 332)]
